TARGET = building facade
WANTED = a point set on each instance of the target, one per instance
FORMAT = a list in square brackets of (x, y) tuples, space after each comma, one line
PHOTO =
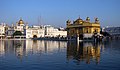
[(82, 29), (44, 31), (10, 32), (51, 31), (3, 29), (112, 30), (20, 26), (35, 32)]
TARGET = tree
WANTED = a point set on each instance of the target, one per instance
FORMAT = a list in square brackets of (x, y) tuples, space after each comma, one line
[(17, 33), (105, 33)]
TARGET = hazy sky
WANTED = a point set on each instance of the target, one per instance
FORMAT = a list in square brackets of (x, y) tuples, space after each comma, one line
[(56, 12)]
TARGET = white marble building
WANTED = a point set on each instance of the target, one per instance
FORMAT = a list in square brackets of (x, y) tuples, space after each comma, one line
[(31, 32), (10, 31), (20, 26), (3, 29), (44, 31), (54, 32), (35, 32)]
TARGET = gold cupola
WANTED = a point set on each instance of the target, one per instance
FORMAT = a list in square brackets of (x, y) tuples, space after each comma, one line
[(21, 21), (78, 21)]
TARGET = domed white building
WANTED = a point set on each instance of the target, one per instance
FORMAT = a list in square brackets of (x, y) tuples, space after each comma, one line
[(20, 26)]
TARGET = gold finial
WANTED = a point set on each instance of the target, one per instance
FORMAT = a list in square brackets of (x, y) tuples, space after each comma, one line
[(79, 17)]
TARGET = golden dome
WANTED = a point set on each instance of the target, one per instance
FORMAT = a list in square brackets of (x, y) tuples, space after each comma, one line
[(79, 21), (21, 21)]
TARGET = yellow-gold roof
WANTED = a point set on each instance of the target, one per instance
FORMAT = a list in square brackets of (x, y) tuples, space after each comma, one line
[(21, 21)]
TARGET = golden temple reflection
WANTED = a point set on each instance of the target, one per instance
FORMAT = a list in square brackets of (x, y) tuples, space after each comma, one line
[(85, 51)]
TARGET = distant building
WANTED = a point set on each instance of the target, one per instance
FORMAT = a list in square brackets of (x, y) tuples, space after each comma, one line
[(20, 26), (112, 30), (44, 31), (30, 32), (35, 32), (10, 32), (3, 29), (51, 31), (83, 29)]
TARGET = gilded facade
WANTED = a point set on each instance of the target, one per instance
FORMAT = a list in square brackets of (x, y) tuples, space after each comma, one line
[(82, 28)]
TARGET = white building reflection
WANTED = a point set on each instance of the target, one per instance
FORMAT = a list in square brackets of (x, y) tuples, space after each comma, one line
[(44, 46), (22, 48), (2, 51)]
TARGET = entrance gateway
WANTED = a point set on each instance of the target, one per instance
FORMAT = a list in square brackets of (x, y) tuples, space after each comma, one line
[(34, 36)]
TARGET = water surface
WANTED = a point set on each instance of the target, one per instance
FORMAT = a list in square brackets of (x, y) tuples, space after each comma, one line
[(59, 55)]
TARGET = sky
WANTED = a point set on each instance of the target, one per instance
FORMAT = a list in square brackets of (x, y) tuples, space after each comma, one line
[(57, 12)]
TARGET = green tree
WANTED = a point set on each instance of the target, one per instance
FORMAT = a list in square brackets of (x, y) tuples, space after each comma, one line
[(17, 33)]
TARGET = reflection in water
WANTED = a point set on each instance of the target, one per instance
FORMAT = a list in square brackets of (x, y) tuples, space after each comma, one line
[(23, 48), (84, 51), (2, 51), (48, 47), (57, 55), (19, 48)]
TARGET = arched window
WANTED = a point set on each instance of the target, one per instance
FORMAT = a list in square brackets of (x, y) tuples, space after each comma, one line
[(95, 30), (86, 30)]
